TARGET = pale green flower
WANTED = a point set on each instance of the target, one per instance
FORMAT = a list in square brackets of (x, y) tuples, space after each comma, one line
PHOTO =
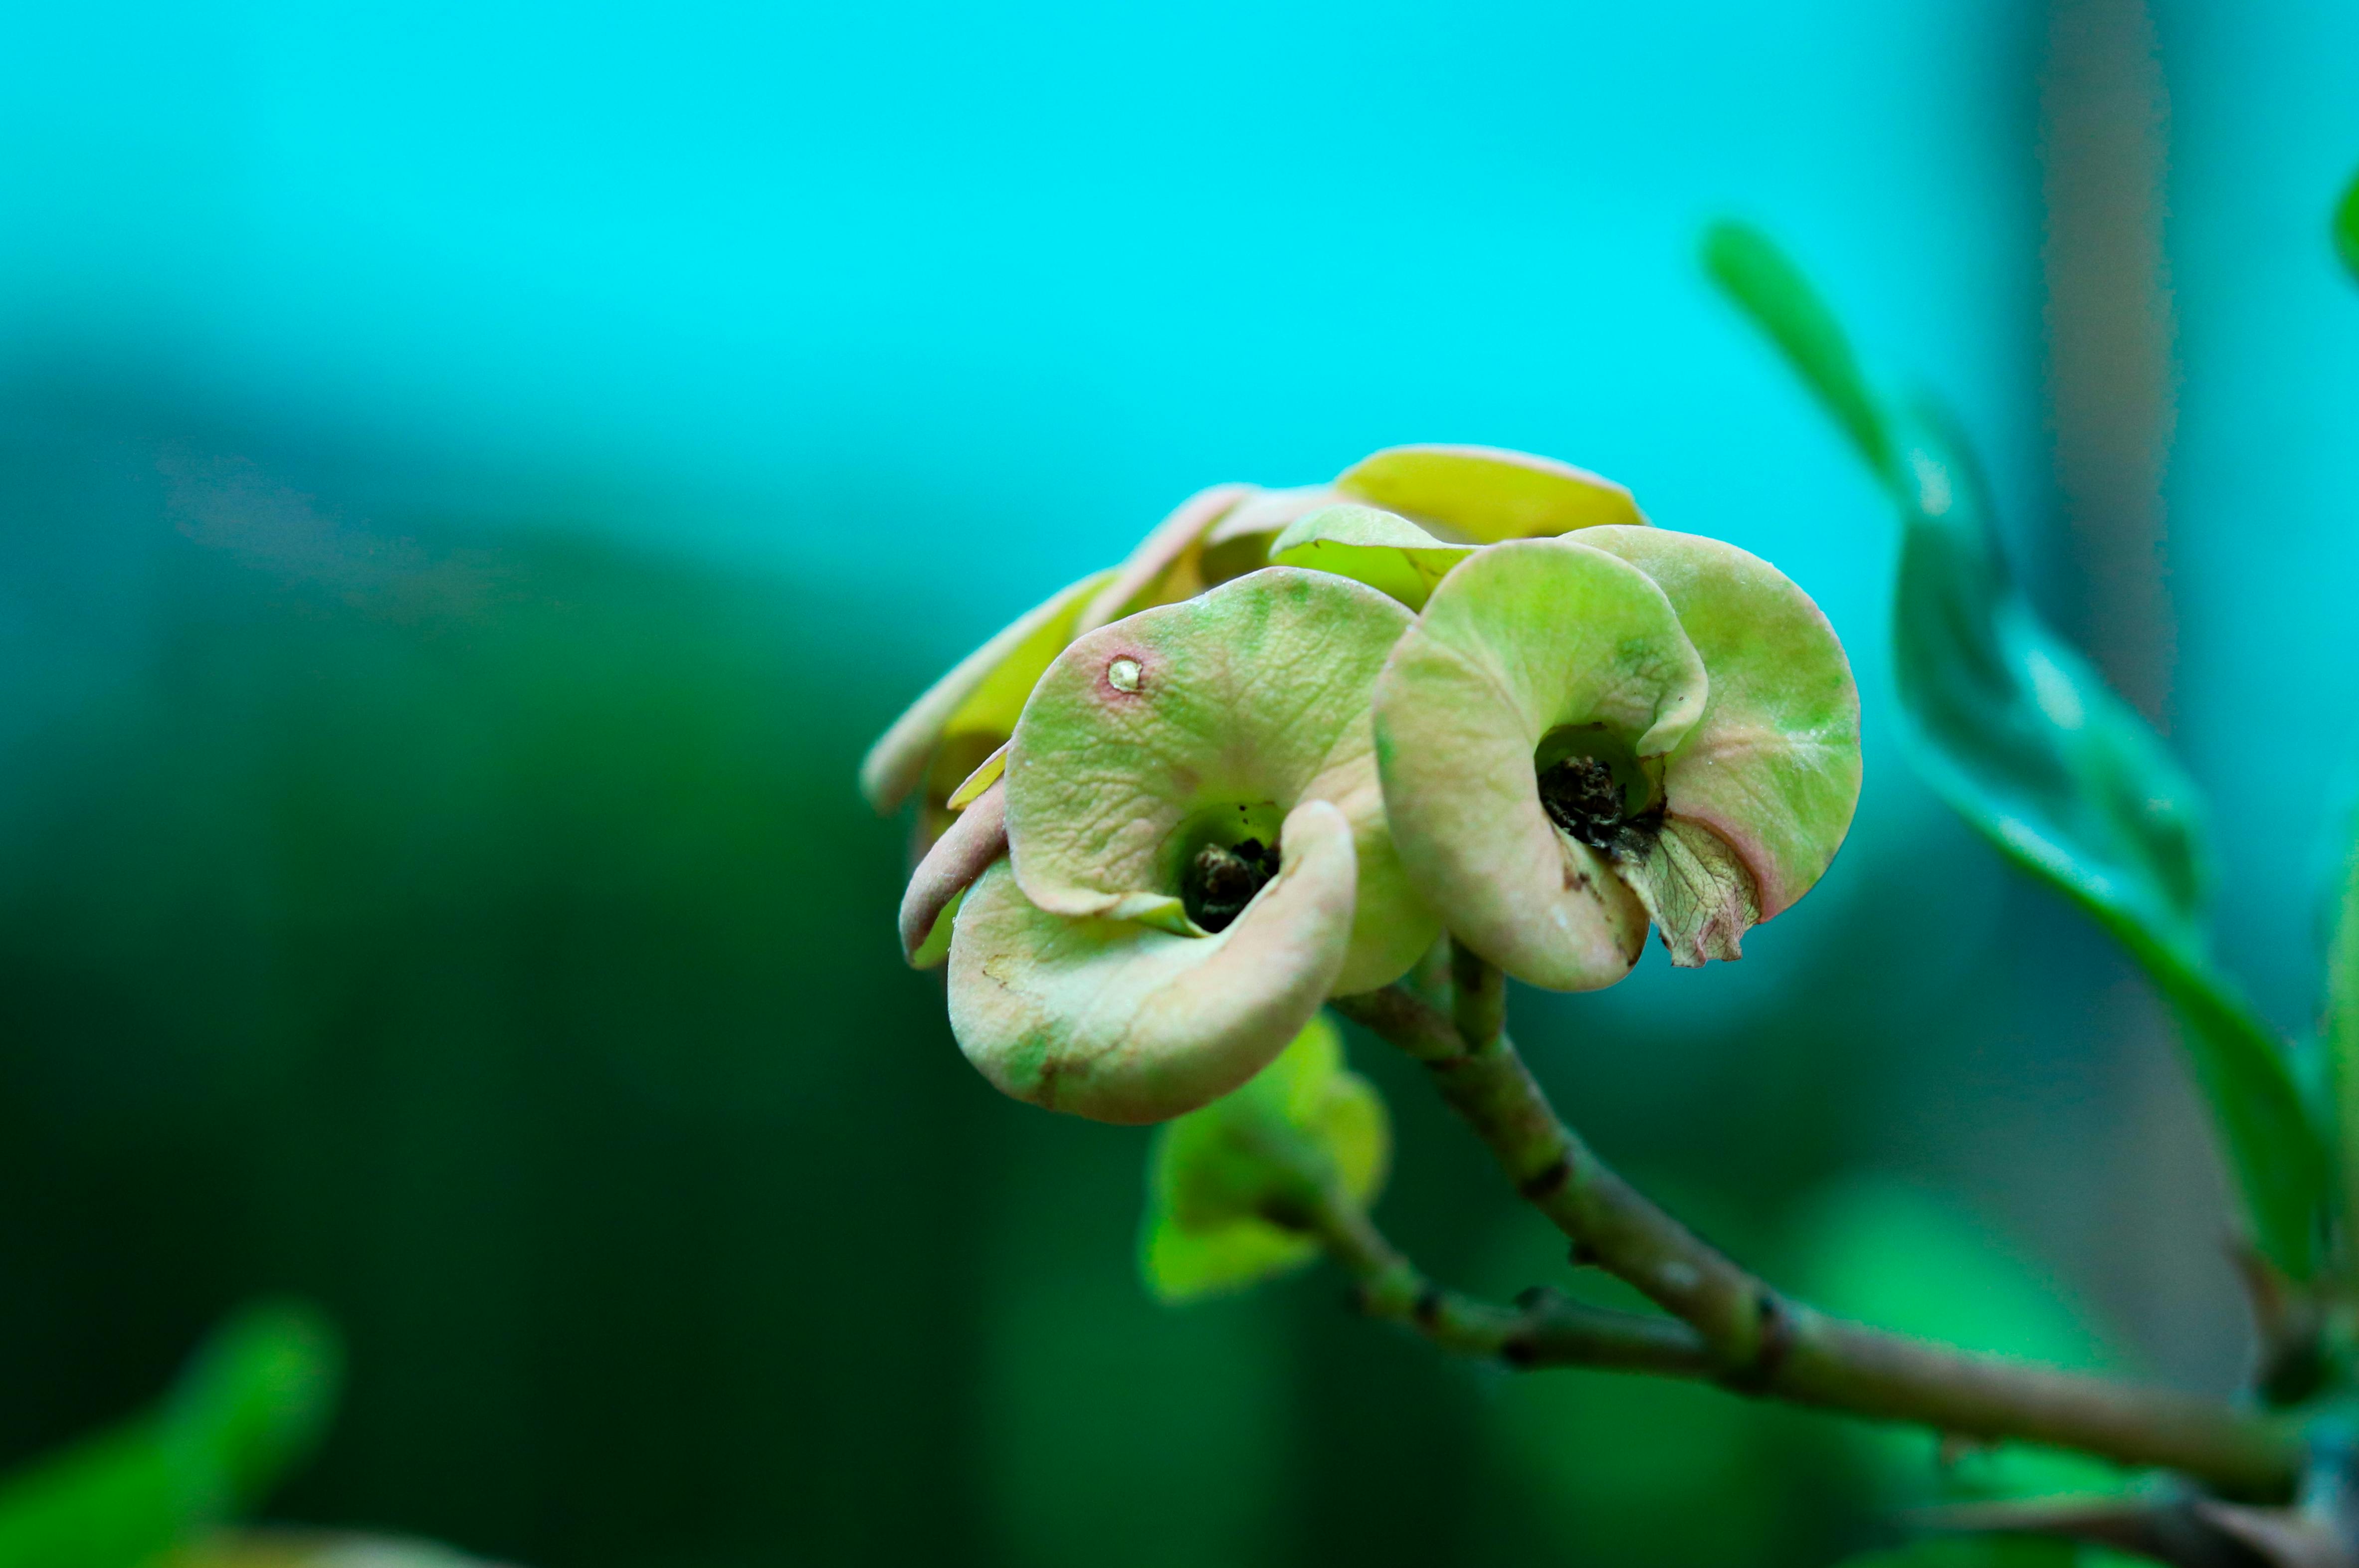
[(1155, 747), (1123, 1022), (1580, 735), (970, 713)]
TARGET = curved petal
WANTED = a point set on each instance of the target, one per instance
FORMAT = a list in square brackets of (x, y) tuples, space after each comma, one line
[(1485, 493), (1160, 570), (987, 773), (1386, 552), (1526, 643), (1204, 722), (1697, 890), (1125, 1023), (974, 841), (1773, 766), (1240, 542), (983, 693)]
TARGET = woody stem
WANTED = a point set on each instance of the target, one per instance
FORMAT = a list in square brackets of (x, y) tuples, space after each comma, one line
[(1745, 1336)]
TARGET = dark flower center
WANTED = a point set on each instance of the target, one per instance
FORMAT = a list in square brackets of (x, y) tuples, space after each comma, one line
[(1581, 796), (1223, 879)]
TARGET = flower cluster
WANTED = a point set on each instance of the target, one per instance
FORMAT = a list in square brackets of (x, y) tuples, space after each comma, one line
[(1301, 734)]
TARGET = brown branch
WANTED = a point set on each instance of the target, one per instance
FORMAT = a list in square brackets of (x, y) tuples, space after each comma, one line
[(1747, 1337), (1543, 1330)]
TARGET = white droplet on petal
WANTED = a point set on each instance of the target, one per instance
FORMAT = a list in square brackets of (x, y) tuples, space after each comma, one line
[(1123, 675)]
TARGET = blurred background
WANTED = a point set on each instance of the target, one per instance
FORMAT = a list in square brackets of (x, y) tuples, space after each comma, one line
[(473, 479)]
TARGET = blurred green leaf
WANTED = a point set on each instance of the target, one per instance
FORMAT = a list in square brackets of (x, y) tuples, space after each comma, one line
[(1600, 1469), (1752, 270), (2342, 1027), (252, 1402), (1893, 1256), (2025, 740), (1301, 1123), (2346, 227), (1113, 1431)]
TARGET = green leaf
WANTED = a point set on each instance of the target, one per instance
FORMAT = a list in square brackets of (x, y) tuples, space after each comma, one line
[(251, 1402), (1890, 1255), (2346, 227), (1303, 1123), (2342, 1029), (2023, 738), (1752, 270)]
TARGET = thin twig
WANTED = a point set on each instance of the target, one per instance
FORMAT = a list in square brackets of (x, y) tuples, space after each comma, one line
[(1543, 1330), (1755, 1342)]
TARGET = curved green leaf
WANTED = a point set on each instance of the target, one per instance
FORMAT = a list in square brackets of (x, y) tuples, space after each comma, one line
[(2342, 1029), (1891, 1255), (2024, 739), (252, 1402), (1303, 1124), (1752, 270)]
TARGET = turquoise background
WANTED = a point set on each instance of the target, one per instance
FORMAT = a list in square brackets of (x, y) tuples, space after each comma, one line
[(473, 478)]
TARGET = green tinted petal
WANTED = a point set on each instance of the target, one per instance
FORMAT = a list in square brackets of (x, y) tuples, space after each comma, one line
[(981, 696), (1695, 888), (1240, 542), (1484, 493), (987, 773), (1387, 552), (1122, 1023), (1240, 703), (1304, 1119), (1162, 568), (974, 841), (1773, 766), (1537, 640)]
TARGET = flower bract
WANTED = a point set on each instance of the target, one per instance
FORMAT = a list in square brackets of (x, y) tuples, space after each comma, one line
[(1483, 494), (1583, 735), (1383, 550), (1123, 1022), (1158, 755)]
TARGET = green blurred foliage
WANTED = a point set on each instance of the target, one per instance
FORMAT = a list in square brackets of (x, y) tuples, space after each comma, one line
[(1893, 1256), (1630, 1470), (2023, 738), (252, 1403), (473, 928)]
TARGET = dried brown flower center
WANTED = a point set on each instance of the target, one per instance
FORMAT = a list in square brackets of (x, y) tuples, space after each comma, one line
[(1222, 878), (1581, 796)]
